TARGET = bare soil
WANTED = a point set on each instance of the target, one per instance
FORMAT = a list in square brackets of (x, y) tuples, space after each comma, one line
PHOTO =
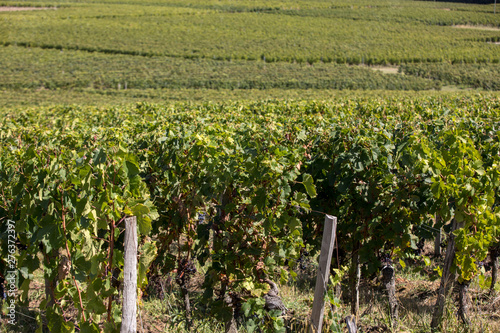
[(15, 9), (384, 69), (387, 69), (476, 27)]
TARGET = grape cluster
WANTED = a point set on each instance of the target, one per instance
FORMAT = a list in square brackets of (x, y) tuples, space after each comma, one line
[(186, 268), (202, 218), (487, 267), (420, 247), (302, 261), (385, 259)]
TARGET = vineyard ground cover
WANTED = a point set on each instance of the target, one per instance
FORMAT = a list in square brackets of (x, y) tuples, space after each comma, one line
[(14, 9), (386, 69), (162, 310), (478, 27)]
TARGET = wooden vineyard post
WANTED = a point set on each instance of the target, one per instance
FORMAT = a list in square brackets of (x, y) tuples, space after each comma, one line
[(389, 281), (447, 278), (437, 244), (351, 324), (354, 278), (437, 240), (494, 253), (129, 311), (325, 259)]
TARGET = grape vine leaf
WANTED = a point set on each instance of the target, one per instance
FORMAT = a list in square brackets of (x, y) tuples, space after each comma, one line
[(309, 185)]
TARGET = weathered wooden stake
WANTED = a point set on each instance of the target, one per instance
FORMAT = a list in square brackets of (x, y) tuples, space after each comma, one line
[(354, 279), (463, 304), (325, 259), (129, 311), (51, 283), (447, 278), (494, 252), (437, 240), (389, 280), (351, 324)]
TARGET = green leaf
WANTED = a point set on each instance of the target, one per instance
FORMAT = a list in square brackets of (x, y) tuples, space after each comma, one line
[(248, 284), (57, 323), (300, 199), (132, 169), (83, 207), (427, 260), (309, 185), (94, 265), (246, 307), (24, 288), (99, 157), (148, 254), (269, 261), (294, 223), (86, 327), (260, 199), (250, 325), (95, 303), (344, 184), (117, 315), (109, 327), (143, 213), (40, 323), (436, 188), (279, 325)]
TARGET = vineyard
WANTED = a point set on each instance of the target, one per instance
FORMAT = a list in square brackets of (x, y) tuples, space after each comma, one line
[(49, 69), (239, 190), (230, 131), (89, 48), (392, 32)]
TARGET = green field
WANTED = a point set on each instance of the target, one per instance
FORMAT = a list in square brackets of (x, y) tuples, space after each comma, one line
[(87, 47), (387, 32)]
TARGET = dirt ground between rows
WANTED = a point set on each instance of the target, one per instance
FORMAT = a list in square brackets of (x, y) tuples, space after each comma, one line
[(15, 9), (476, 27)]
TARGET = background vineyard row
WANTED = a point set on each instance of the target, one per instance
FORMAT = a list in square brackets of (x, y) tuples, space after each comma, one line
[(116, 45)]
